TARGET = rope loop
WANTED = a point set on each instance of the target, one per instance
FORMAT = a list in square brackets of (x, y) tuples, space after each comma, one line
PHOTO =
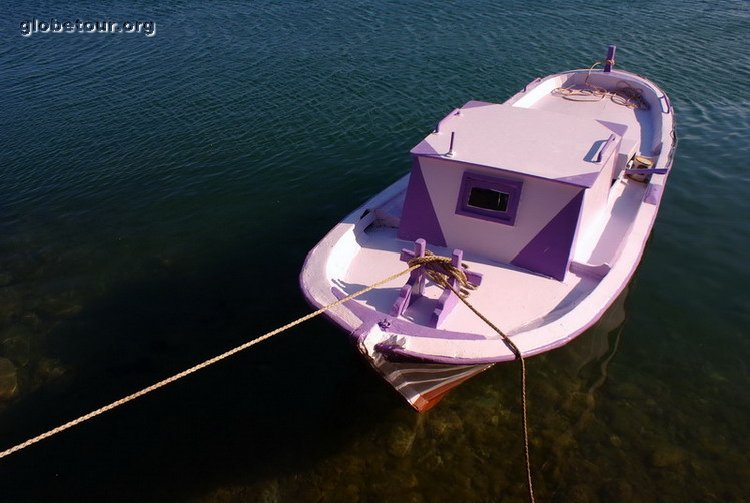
[(440, 270)]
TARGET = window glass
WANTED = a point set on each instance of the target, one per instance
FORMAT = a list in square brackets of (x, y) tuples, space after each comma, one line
[(488, 199)]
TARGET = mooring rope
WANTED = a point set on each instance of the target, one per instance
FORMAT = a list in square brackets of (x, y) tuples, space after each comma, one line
[(525, 420), (198, 367), (438, 269), (625, 94)]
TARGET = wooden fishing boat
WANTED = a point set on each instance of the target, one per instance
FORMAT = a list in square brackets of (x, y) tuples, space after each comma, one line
[(545, 201)]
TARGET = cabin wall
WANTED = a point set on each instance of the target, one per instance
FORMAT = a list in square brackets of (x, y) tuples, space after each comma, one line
[(540, 238), (595, 198)]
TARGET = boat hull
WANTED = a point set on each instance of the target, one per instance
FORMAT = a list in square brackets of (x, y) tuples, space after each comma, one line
[(539, 313)]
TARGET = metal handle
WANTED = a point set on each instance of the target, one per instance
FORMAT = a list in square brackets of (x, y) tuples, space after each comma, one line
[(608, 145), (666, 100), (647, 171)]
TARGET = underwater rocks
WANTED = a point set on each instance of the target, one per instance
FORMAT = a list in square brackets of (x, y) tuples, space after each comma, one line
[(10, 304), (23, 335), (444, 424), (8, 380), (6, 278), (15, 344), (668, 456), (48, 369), (400, 441), (57, 306)]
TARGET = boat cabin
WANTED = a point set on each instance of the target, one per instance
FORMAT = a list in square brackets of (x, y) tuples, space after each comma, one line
[(512, 184)]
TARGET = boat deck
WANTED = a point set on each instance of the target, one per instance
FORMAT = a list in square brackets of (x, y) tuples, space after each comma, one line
[(529, 300), (638, 122)]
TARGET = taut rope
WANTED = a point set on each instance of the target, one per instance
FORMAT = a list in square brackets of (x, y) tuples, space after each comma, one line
[(198, 367), (438, 269)]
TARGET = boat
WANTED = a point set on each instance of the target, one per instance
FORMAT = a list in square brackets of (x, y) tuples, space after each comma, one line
[(545, 202)]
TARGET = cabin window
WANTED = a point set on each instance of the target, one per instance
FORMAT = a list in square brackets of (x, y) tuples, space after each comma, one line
[(489, 198)]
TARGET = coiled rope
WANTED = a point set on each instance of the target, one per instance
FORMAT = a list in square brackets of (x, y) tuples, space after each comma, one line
[(438, 269), (625, 94), (441, 269)]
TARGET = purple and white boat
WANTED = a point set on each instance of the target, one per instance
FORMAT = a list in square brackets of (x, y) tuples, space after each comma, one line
[(548, 199)]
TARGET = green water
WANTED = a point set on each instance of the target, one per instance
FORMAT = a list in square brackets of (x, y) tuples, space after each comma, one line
[(158, 196)]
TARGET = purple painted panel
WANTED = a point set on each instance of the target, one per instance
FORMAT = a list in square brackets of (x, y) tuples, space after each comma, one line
[(618, 129), (548, 252), (593, 271), (415, 284), (585, 180), (419, 219), (477, 104), (653, 194), (448, 299), (424, 148)]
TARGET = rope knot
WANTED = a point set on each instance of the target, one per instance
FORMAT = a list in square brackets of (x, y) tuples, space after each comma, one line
[(440, 270)]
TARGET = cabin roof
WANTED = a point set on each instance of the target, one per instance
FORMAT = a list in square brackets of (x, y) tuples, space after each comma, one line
[(527, 141)]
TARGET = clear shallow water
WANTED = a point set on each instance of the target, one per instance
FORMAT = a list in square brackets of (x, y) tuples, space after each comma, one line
[(158, 196)]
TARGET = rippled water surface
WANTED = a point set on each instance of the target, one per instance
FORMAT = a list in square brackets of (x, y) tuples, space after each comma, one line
[(158, 196)]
